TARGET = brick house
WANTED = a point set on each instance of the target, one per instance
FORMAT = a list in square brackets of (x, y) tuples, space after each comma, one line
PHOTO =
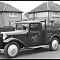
[(48, 10), (9, 15)]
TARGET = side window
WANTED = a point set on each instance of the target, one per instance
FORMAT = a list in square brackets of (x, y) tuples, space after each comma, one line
[(18, 26), (34, 27), (21, 26)]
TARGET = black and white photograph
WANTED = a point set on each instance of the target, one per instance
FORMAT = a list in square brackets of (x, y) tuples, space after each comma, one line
[(29, 29)]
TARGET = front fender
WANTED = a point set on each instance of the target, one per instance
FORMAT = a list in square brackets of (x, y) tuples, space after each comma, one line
[(13, 39)]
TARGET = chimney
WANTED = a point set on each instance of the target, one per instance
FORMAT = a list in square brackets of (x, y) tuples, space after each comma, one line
[(50, 1)]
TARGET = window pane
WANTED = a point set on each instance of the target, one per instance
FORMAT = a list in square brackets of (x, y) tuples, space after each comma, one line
[(13, 14), (55, 14), (30, 15), (34, 27), (41, 14)]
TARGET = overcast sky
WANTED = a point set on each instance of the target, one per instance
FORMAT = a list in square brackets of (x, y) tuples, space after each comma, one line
[(26, 6)]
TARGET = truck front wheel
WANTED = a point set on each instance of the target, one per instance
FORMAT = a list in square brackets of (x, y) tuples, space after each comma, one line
[(11, 49), (54, 45)]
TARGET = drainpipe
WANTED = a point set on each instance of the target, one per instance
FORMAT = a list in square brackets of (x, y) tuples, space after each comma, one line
[(48, 10), (48, 17), (34, 17), (21, 16)]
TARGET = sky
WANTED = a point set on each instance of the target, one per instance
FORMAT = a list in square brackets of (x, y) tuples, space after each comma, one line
[(26, 6)]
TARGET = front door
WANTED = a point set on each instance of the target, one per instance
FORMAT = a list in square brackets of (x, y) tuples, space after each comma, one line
[(35, 33)]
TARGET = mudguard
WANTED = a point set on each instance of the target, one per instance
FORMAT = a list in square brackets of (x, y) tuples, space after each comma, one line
[(54, 36), (13, 39)]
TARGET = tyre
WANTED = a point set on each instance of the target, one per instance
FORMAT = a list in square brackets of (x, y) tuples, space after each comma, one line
[(54, 45), (11, 49)]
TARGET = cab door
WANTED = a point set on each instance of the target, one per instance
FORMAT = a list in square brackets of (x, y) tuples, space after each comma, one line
[(35, 33)]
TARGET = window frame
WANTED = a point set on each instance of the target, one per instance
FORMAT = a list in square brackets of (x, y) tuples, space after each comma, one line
[(11, 14), (55, 14), (34, 27)]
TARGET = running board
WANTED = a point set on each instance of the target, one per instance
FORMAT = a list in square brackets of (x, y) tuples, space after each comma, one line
[(39, 46), (29, 48)]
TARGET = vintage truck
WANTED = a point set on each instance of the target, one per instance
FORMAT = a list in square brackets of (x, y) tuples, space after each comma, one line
[(29, 35)]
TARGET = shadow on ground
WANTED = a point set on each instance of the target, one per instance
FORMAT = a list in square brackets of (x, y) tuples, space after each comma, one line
[(34, 51)]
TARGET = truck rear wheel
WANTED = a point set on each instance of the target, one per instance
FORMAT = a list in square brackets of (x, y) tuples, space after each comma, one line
[(11, 49), (54, 45)]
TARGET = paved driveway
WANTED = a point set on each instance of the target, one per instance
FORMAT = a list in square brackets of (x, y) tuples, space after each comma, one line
[(40, 53)]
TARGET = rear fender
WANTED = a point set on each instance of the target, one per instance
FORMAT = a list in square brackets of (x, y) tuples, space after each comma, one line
[(55, 35)]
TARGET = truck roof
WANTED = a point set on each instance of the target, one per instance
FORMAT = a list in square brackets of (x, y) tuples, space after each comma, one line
[(27, 22)]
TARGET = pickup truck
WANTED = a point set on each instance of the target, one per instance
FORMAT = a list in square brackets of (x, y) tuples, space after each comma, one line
[(29, 35)]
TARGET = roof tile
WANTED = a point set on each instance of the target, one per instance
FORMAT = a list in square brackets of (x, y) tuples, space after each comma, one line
[(43, 7), (8, 7)]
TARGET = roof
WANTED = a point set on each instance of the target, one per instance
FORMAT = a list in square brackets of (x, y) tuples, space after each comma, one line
[(46, 7), (27, 22), (8, 7)]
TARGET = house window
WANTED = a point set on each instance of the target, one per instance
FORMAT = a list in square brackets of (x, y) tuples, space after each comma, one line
[(55, 14), (30, 15), (41, 14), (13, 15), (36, 15), (51, 23), (10, 23)]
